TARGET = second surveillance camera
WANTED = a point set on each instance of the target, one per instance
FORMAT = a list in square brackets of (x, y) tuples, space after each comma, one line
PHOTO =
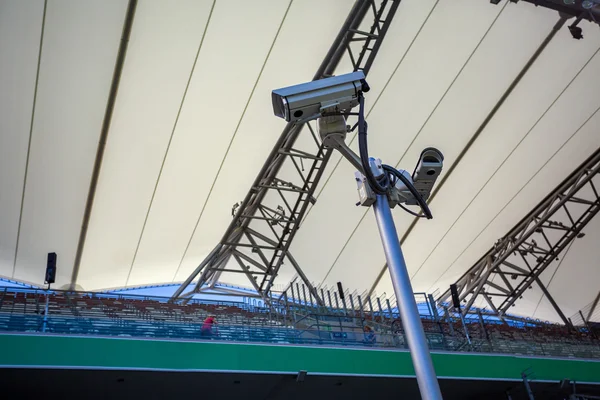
[(310, 100), (429, 167), (427, 171)]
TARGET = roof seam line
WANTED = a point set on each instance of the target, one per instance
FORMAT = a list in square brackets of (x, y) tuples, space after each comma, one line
[(518, 192), (452, 83), (503, 162), (233, 138), (345, 245), (103, 136), (35, 91), (162, 165), (426, 120), (537, 172), (481, 128)]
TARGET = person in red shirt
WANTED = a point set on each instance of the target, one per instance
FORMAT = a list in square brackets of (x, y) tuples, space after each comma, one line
[(207, 326)]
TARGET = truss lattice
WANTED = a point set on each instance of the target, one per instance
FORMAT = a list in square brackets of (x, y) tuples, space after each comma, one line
[(517, 260), (265, 223)]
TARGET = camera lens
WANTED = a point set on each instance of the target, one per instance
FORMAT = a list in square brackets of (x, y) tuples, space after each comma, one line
[(298, 113), (431, 172)]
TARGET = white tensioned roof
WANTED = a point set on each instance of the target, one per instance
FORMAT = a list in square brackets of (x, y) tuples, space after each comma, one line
[(188, 135)]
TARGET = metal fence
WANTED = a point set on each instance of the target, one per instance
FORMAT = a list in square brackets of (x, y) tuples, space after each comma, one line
[(344, 335), (90, 314), (588, 316)]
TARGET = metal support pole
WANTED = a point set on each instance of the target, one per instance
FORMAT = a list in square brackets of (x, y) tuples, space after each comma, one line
[(294, 298), (286, 305), (482, 323), (299, 294), (360, 305), (462, 320), (411, 321), (449, 320), (318, 327), (527, 387), (586, 325), (352, 306), (434, 309), (389, 306), (305, 298), (551, 300), (46, 307), (270, 310), (594, 305), (343, 300)]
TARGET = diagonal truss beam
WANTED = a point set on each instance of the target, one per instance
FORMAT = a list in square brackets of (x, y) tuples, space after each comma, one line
[(593, 308), (522, 255), (260, 235)]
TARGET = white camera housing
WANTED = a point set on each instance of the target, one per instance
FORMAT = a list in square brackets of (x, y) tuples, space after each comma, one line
[(310, 100), (429, 167), (427, 171)]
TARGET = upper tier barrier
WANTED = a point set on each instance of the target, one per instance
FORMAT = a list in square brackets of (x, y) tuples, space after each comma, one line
[(23, 310)]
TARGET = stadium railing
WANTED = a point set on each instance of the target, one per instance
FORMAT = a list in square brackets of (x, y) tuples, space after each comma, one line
[(81, 313)]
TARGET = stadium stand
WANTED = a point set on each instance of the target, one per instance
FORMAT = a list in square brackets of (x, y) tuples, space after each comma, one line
[(81, 313)]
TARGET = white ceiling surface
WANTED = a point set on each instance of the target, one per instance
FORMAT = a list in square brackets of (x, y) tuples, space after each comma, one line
[(193, 124), (162, 49), (18, 62), (79, 48)]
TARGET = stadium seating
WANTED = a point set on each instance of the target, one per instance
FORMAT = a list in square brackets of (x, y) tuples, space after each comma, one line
[(117, 315)]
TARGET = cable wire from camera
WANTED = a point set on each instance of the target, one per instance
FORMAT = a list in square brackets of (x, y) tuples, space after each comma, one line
[(411, 212), (379, 186), (422, 203)]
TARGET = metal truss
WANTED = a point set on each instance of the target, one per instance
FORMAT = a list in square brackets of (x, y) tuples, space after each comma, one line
[(591, 316), (266, 221), (519, 258), (588, 316)]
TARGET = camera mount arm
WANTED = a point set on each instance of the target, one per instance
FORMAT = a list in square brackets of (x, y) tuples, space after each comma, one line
[(402, 187), (332, 130)]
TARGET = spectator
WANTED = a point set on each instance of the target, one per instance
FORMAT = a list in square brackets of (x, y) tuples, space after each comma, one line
[(207, 326), (369, 335)]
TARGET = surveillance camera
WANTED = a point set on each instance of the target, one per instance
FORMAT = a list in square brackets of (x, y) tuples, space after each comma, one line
[(423, 178), (576, 32), (427, 170), (310, 100)]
